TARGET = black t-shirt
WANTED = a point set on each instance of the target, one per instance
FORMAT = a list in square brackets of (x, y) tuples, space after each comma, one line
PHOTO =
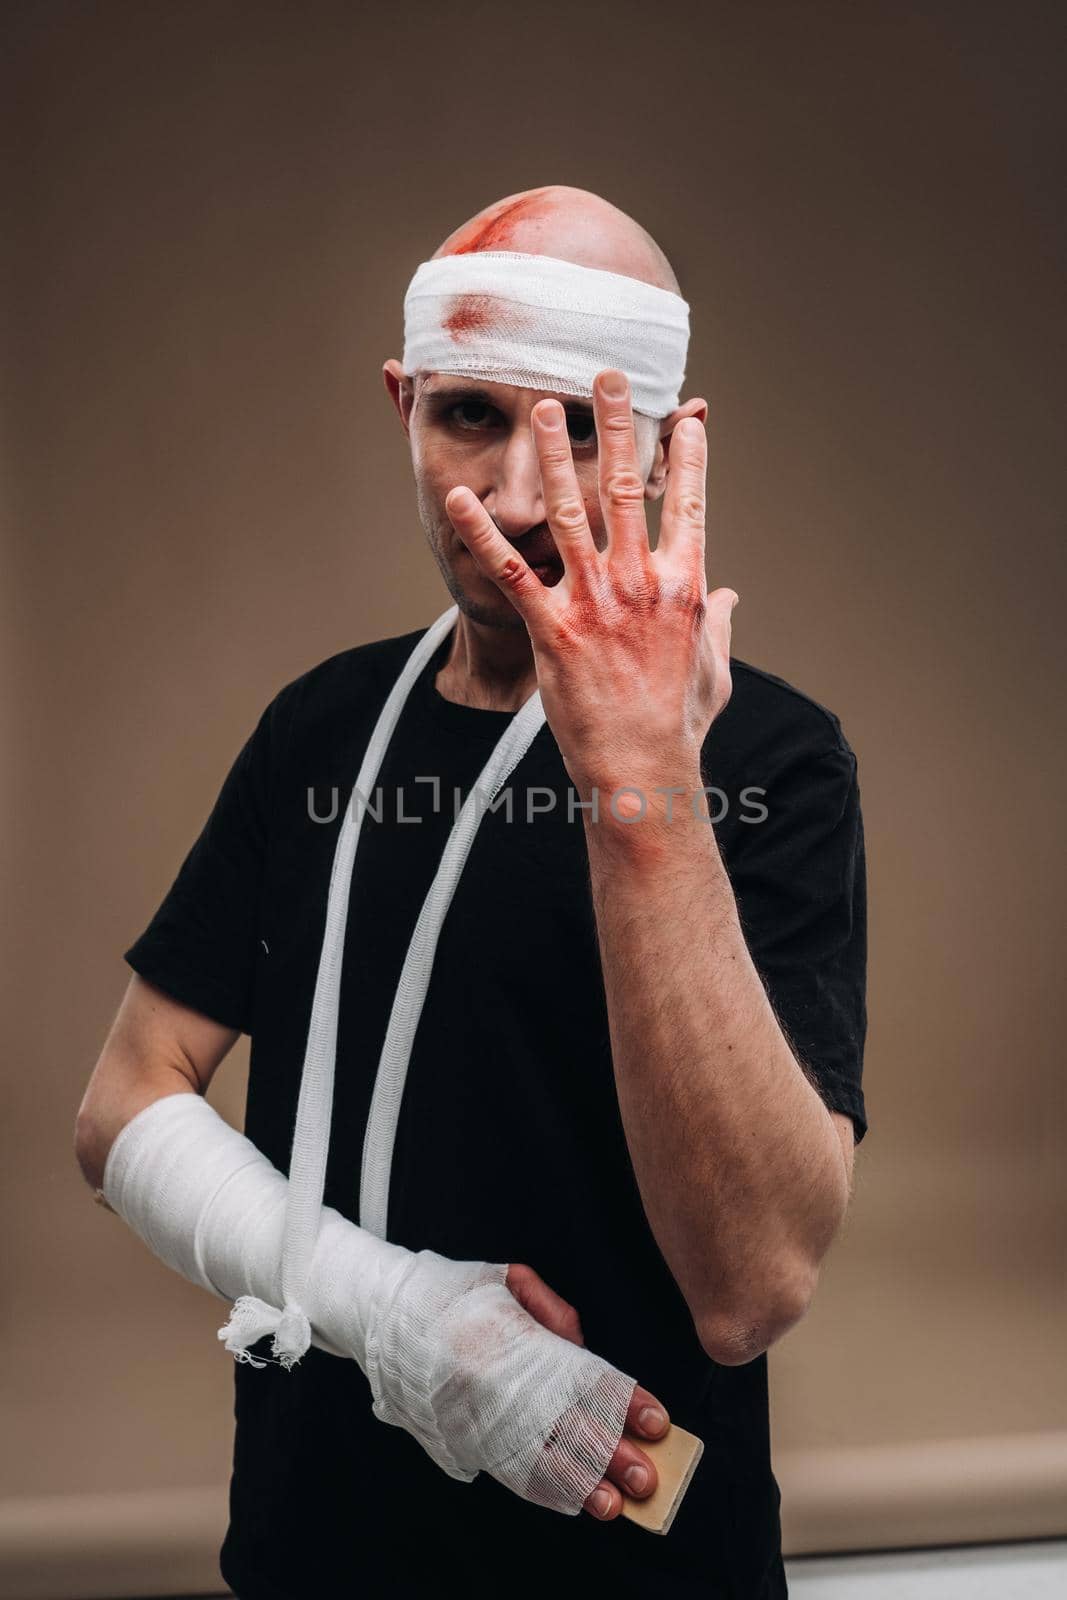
[(510, 1145)]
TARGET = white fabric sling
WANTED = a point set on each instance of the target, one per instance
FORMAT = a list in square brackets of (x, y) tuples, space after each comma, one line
[(415, 976), (307, 1168)]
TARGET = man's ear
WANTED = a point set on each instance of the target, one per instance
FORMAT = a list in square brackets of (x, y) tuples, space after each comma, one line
[(400, 388), (657, 478)]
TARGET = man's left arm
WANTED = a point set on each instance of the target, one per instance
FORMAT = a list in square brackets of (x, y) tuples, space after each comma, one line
[(744, 1173), (738, 1160)]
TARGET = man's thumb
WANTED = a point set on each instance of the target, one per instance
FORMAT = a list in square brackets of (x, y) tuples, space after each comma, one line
[(544, 1304)]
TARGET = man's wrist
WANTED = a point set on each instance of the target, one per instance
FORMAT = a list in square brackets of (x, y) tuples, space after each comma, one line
[(660, 790)]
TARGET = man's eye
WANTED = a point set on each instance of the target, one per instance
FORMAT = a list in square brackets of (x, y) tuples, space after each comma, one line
[(581, 427), (462, 409), (474, 415)]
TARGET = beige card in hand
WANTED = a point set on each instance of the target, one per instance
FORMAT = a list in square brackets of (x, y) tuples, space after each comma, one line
[(676, 1456)]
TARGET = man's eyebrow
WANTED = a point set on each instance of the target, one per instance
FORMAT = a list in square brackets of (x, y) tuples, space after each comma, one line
[(455, 392)]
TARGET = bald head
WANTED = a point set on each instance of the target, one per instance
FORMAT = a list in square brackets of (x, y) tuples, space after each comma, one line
[(571, 224), (547, 333)]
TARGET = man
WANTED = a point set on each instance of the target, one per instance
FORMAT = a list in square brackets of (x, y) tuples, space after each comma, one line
[(635, 1071)]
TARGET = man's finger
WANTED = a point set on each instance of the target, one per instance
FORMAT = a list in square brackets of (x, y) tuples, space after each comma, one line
[(647, 1415), (682, 532), (719, 623), (605, 1502), (544, 1304), (621, 486), (564, 506), (632, 1470), (498, 559)]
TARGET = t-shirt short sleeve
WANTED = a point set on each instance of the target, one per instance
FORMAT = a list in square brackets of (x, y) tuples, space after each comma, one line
[(200, 945), (801, 890)]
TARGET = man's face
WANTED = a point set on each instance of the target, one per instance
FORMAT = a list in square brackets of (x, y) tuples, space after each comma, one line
[(464, 430)]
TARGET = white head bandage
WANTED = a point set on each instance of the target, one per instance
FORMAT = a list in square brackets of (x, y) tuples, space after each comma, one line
[(540, 323)]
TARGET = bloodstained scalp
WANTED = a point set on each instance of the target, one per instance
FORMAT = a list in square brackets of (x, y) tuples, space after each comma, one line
[(494, 229)]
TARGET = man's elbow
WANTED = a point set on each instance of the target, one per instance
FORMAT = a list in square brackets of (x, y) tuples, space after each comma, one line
[(733, 1336), (90, 1148)]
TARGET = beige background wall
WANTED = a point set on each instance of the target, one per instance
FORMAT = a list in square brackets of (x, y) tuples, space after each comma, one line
[(216, 208)]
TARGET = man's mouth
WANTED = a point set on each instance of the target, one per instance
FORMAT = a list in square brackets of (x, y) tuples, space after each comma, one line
[(540, 554)]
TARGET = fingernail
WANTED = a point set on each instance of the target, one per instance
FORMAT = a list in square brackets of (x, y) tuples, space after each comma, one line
[(601, 1502), (735, 601), (614, 385), (550, 416), (636, 1477), (650, 1420)]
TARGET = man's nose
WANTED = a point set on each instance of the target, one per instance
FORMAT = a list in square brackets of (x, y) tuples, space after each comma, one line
[(515, 501)]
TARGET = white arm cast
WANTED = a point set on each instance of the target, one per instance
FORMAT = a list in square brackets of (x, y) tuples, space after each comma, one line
[(449, 1353)]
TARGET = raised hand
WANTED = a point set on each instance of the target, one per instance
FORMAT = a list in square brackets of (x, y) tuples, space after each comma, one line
[(631, 651)]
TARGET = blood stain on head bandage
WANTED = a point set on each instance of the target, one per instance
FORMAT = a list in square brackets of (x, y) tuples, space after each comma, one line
[(469, 314), (477, 316)]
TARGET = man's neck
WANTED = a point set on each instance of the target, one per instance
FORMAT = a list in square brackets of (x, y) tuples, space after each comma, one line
[(490, 669)]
